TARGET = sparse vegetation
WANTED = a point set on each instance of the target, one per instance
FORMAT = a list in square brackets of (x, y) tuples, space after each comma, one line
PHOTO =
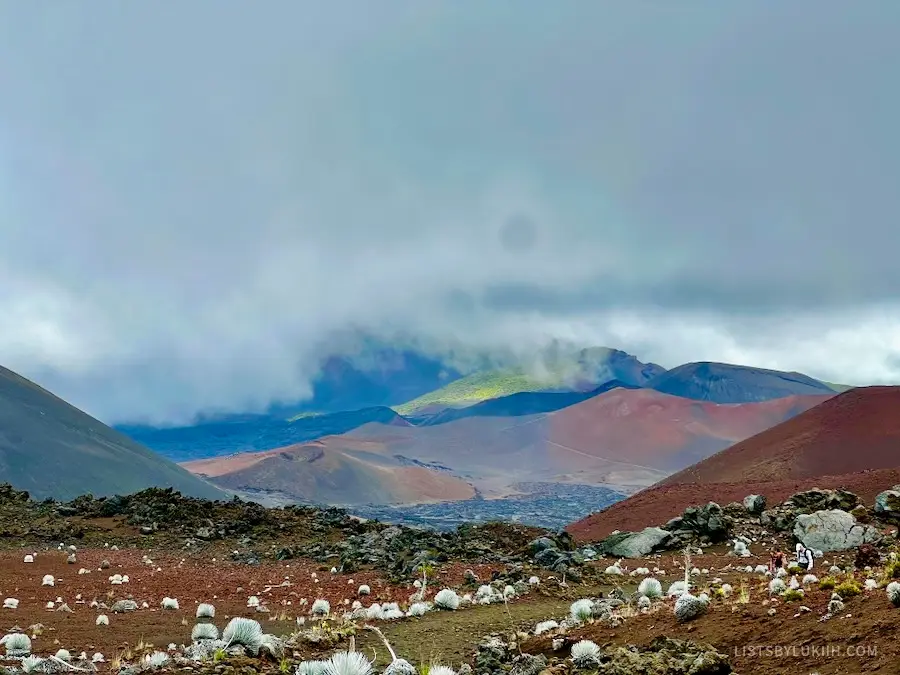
[(479, 387), (848, 588)]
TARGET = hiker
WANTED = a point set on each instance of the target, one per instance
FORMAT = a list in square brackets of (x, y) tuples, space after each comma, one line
[(776, 560), (804, 557)]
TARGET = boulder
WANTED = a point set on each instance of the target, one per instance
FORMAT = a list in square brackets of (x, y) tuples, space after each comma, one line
[(755, 504), (635, 544), (818, 499), (833, 530), (887, 503), (709, 522)]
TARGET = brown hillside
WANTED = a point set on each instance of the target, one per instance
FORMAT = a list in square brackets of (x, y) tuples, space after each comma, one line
[(851, 441), (626, 439), (858, 430)]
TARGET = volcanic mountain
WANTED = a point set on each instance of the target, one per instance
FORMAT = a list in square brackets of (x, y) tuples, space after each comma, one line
[(727, 383), (243, 433), (52, 449), (625, 439), (851, 440)]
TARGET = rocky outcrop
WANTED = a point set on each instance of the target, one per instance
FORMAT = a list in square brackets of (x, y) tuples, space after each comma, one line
[(708, 524), (666, 655), (833, 530), (635, 544), (783, 516), (887, 504), (556, 552), (755, 504), (823, 500)]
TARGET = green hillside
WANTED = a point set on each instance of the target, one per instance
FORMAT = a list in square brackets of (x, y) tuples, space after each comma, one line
[(479, 387)]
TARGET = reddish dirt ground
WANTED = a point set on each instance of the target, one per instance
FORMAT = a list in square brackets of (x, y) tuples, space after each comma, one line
[(862, 639), (190, 580), (658, 504)]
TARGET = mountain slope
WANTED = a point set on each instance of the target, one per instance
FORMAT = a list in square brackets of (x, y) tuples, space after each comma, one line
[(315, 473), (522, 403), (52, 449), (851, 440), (561, 370), (858, 430), (624, 439), (727, 383), (253, 432)]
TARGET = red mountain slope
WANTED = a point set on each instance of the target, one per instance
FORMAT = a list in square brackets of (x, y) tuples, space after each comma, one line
[(626, 439), (852, 440)]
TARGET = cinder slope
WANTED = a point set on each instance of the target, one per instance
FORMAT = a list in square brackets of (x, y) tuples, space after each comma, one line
[(626, 439), (52, 449), (858, 430), (729, 383), (851, 441), (314, 472)]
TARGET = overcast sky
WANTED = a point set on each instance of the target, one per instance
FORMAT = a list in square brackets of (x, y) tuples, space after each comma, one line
[(195, 196)]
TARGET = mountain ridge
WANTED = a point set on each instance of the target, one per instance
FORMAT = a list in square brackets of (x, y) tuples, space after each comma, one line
[(52, 449)]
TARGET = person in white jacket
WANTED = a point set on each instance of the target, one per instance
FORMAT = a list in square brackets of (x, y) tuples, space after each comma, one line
[(804, 557)]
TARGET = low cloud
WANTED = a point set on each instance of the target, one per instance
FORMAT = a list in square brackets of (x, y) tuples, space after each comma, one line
[(196, 206)]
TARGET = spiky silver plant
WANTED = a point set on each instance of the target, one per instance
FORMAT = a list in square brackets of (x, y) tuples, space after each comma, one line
[(581, 610), (893, 593), (155, 660), (321, 608), (586, 654), (205, 611), (651, 588), (17, 644), (447, 599), (245, 632), (348, 663), (688, 607), (204, 631), (311, 668), (31, 663), (440, 670)]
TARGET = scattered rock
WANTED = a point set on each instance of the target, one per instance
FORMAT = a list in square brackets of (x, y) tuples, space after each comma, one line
[(635, 544), (887, 503), (833, 530), (755, 504)]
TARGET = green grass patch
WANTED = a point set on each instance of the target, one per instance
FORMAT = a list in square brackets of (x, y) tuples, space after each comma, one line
[(479, 387), (304, 415)]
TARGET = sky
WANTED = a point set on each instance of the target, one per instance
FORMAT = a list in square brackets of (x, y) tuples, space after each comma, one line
[(198, 199)]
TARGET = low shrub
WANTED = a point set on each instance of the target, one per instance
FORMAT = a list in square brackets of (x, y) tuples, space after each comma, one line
[(827, 583), (848, 588)]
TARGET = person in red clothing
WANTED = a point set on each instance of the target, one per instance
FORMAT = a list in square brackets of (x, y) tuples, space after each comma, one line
[(776, 561)]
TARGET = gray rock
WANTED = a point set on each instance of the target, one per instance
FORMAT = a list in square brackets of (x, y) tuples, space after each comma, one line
[(635, 544), (887, 503), (833, 530), (818, 499), (755, 504), (124, 606)]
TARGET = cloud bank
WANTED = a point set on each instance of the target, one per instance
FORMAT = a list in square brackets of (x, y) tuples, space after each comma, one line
[(194, 200)]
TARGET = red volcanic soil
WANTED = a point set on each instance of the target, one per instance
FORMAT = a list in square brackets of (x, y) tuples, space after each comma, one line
[(649, 428), (858, 430), (191, 580), (660, 503), (316, 472), (851, 441)]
